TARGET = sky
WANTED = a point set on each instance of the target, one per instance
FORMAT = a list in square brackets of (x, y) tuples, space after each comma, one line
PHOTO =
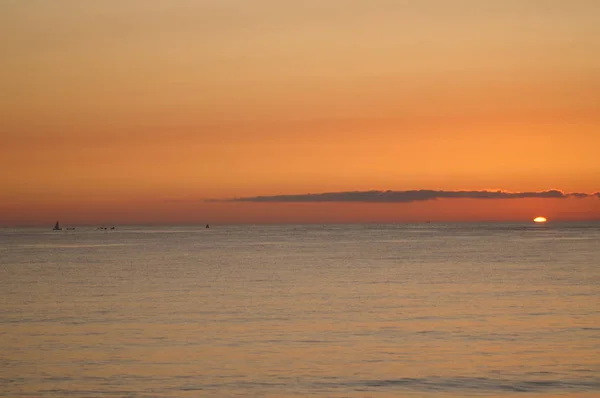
[(194, 111)]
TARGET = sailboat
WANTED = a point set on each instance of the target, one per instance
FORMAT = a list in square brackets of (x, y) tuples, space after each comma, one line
[(56, 227)]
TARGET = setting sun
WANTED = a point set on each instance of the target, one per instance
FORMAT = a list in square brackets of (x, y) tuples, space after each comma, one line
[(540, 219)]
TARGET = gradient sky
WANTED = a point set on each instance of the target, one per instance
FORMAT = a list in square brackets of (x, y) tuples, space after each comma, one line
[(139, 110)]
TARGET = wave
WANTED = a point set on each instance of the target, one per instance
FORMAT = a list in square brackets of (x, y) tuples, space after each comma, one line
[(483, 384), (461, 385)]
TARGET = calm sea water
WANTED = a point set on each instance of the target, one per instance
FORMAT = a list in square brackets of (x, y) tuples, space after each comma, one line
[(430, 310)]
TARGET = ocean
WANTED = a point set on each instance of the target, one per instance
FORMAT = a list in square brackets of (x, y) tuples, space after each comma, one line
[(402, 310)]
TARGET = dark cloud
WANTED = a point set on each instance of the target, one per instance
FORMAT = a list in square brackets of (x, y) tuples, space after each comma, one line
[(409, 196), (581, 195)]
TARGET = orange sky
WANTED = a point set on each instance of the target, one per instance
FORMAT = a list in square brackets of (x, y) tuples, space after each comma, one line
[(137, 110)]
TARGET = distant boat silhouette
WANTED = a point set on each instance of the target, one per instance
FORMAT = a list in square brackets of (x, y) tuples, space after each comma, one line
[(56, 227)]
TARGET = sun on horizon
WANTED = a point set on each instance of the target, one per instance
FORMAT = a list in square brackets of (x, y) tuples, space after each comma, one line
[(540, 219)]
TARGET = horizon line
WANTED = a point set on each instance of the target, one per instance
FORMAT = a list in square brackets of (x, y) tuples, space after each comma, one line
[(274, 223)]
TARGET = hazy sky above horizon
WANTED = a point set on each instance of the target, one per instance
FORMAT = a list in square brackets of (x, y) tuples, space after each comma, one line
[(121, 108)]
